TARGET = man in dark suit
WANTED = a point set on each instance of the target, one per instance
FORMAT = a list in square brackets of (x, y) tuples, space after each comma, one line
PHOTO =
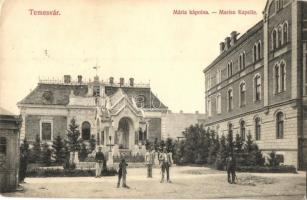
[(231, 168), (122, 173)]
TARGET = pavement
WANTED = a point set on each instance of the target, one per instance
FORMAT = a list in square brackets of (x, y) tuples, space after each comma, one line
[(187, 183)]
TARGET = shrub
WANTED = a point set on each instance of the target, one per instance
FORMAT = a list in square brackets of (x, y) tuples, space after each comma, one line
[(268, 169), (50, 172), (58, 149)]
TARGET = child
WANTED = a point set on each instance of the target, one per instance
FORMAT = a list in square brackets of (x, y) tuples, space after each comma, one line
[(122, 172)]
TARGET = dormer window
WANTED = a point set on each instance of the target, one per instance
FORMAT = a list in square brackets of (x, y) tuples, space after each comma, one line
[(96, 90)]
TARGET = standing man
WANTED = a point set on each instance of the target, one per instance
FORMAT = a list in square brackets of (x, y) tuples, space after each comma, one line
[(122, 173), (149, 160), (99, 158), (231, 169), (166, 162), (23, 165)]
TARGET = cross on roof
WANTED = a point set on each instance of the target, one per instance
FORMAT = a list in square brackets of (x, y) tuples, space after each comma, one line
[(96, 67)]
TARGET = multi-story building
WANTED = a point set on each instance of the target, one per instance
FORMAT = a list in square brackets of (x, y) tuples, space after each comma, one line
[(258, 83)]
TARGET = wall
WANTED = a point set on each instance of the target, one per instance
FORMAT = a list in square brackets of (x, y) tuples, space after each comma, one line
[(174, 123)]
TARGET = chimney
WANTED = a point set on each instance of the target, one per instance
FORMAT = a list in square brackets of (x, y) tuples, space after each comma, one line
[(66, 78), (222, 46), (227, 43), (181, 111), (121, 81), (196, 112), (79, 79), (111, 80), (233, 36), (131, 82)]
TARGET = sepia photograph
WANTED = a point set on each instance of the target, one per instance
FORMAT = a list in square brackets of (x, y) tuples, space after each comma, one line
[(140, 99)]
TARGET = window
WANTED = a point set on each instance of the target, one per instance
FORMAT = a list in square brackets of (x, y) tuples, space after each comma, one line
[(209, 107), (255, 53), (279, 125), (277, 81), (209, 81), (230, 99), (96, 90), (218, 103), (242, 129), (230, 128), (274, 39), (86, 131), (285, 32), (242, 94), (257, 128), (2, 146), (257, 88), (229, 67), (259, 50), (242, 61), (218, 76), (283, 77), (46, 131), (279, 36)]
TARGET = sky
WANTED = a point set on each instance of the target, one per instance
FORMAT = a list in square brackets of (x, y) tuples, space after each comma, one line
[(126, 38)]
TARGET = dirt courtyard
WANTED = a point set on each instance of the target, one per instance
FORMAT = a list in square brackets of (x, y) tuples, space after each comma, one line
[(188, 182)]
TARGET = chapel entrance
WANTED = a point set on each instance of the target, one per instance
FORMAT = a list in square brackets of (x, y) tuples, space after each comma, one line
[(125, 128)]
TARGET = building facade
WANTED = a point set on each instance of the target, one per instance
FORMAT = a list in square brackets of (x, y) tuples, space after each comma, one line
[(121, 114), (258, 83), (9, 150)]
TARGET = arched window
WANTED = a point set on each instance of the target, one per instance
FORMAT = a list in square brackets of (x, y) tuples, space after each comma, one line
[(2, 146), (86, 131), (242, 94), (230, 99), (229, 67), (255, 53), (259, 50), (279, 36), (257, 88), (218, 103), (274, 39), (282, 76), (280, 125), (242, 61), (277, 77), (242, 129), (209, 107), (257, 128), (285, 33)]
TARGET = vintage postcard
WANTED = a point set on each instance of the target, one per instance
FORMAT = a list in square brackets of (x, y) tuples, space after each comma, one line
[(140, 99)]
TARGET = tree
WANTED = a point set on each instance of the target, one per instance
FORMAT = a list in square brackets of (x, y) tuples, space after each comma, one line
[(170, 145), (46, 154), (230, 143), (252, 154), (239, 144), (35, 153), (213, 149), (73, 137), (92, 142), (222, 154), (58, 150)]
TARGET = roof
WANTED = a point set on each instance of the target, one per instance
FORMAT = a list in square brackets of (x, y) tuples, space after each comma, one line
[(245, 36), (58, 94)]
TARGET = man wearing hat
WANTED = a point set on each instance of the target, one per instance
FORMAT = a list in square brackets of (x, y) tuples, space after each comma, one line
[(166, 162)]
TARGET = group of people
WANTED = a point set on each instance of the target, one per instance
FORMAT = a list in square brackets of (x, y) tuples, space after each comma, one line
[(165, 162)]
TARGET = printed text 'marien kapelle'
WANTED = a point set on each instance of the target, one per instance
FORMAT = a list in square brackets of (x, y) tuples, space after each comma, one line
[(220, 12)]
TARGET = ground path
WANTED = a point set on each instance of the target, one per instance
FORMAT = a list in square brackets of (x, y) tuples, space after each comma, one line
[(188, 182)]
